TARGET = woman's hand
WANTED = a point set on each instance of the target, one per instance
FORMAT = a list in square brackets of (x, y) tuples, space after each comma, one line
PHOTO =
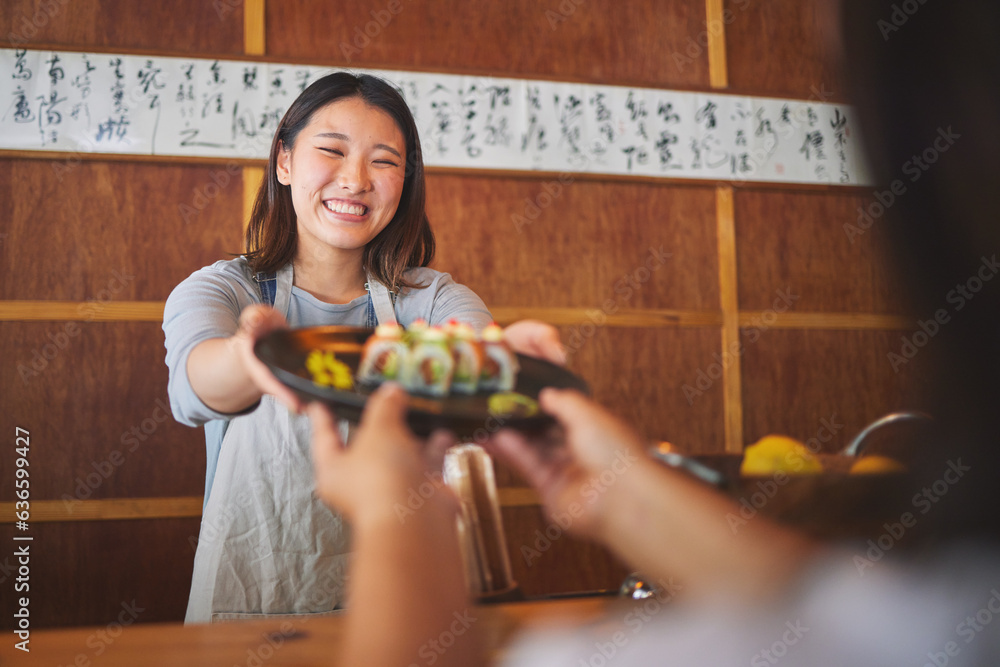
[(255, 322), (384, 464), (599, 450), (536, 339)]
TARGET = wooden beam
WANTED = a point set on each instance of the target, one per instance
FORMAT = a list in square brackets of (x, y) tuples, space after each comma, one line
[(47, 511), (622, 318), (766, 319), (732, 399), (253, 27), (117, 509), (252, 178), (152, 311), (82, 311), (715, 26)]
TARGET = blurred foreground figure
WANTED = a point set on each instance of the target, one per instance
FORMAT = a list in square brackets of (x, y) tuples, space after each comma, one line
[(765, 594)]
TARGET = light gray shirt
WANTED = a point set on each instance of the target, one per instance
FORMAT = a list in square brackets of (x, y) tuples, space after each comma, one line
[(208, 304), (847, 611)]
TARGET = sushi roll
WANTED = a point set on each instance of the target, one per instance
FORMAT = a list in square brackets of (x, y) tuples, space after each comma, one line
[(468, 355), (500, 365), (383, 356), (415, 331), (430, 365)]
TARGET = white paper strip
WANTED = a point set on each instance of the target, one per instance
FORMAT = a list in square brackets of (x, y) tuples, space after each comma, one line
[(105, 103)]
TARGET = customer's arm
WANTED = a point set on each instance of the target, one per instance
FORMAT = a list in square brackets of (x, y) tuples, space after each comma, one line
[(658, 520), (407, 598)]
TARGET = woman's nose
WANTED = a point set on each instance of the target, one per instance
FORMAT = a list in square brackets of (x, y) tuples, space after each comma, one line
[(353, 176)]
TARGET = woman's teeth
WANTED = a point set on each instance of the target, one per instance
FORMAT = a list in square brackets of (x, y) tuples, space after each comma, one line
[(342, 207)]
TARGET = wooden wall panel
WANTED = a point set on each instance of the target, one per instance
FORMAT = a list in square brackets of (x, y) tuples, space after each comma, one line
[(784, 48), (796, 240), (103, 380), (82, 573), (113, 231), (61, 239), (182, 26), (577, 250), (793, 380), (641, 42), (639, 375)]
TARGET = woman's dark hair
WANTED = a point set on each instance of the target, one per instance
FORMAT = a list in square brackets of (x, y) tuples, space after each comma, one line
[(407, 241), (926, 81)]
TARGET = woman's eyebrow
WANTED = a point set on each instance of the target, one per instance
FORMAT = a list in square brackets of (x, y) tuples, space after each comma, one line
[(344, 137)]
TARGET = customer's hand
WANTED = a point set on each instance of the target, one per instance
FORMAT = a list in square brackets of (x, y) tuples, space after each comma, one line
[(572, 478), (385, 463), (536, 339)]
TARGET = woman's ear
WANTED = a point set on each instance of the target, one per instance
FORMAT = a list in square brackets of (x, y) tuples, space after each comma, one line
[(283, 167)]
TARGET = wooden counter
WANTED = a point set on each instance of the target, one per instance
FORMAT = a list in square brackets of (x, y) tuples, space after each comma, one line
[(295, 640)]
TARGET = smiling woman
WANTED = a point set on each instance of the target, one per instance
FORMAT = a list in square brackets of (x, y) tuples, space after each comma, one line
[(338, 235)]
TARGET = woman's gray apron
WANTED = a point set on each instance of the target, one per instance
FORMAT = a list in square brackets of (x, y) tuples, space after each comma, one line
[(267, 544)]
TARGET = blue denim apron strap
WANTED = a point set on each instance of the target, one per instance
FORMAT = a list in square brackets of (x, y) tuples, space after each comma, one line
[(276, 288), (268, 284)]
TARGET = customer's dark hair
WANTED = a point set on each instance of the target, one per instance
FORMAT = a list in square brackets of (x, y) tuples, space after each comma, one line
[(407, 241), (926, 81)]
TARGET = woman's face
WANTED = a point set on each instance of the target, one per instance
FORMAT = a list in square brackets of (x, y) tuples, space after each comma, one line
[(345, 173)]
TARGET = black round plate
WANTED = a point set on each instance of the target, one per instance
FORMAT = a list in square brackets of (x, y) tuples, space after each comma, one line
[(284, 351)]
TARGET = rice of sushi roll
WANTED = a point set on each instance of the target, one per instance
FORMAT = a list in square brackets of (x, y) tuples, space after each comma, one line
[(383, 356), (430, 365), (499, 362), (468, 355)]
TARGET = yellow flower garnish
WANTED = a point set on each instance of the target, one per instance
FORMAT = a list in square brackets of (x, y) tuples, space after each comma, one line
[(328, 371)]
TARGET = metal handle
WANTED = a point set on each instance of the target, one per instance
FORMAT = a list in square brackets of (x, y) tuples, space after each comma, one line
[(855, 446), (696, 468)]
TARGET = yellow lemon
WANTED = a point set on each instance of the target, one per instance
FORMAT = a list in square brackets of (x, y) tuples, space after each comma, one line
[(876, 465), (779, 453)]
